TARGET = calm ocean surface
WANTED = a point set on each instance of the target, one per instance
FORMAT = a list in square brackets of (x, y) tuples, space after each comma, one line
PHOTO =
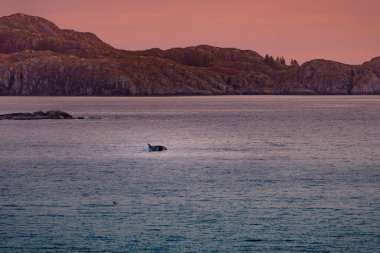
[(241, 174)]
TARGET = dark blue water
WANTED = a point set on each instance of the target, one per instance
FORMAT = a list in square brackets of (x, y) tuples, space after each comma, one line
[(241, 174)]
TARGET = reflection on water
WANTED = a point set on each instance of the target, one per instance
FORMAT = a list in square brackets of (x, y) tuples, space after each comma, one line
[(242, 173)]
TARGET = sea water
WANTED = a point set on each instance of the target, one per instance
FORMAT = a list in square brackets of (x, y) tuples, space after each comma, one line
[(241, 174)]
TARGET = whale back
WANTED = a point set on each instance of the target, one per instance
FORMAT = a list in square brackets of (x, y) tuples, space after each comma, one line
[(156, 148)]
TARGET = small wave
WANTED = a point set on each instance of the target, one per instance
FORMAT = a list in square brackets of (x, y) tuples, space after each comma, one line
[(52, 215), (100, 205), (175, 238), (9, 205), (153, 229), (253, 240)]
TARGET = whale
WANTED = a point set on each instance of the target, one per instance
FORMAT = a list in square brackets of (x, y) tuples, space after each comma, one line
[(156, 148)]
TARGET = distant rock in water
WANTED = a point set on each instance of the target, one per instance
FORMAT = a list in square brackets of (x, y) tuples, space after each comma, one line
[(54, 114)]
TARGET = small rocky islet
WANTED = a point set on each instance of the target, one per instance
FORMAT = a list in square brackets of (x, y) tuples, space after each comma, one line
[(52, 114)]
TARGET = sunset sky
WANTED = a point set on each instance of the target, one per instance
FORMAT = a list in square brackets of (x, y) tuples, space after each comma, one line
[(342, 30)]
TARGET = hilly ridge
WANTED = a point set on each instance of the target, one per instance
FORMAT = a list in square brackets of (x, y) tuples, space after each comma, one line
[(38, 58)]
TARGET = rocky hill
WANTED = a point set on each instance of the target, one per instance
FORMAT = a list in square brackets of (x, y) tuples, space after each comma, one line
[(38, 58), (19, 32)]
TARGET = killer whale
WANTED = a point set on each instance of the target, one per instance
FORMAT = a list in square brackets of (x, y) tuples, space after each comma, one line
[(156, 148)]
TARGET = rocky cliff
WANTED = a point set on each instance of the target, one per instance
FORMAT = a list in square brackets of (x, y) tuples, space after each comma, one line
[(38, 58)]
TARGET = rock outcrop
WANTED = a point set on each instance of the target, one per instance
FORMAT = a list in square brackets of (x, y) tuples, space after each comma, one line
[(19, 32), (318, 77), (38, 58), (54, 114), (367, 78)]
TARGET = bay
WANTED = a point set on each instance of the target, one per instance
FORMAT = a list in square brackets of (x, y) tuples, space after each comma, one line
[(241, 174)]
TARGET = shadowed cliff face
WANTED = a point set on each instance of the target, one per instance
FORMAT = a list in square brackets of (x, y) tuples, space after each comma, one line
[(48, 73), (38, 58), (367, 78), (319, 77)]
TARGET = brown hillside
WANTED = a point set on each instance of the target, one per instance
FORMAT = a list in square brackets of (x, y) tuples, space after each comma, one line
[(38, 58)]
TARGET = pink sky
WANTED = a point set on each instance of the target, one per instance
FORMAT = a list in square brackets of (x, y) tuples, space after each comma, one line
[(342, 30)]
